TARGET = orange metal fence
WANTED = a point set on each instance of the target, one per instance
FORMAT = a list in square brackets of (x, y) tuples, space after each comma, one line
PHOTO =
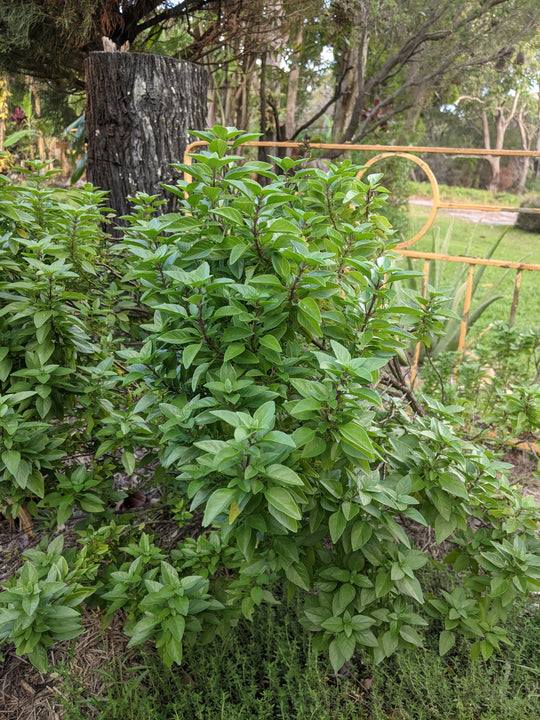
[(411, 153)]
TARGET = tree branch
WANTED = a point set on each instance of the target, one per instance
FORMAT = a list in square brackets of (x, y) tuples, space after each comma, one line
[(335, 97)]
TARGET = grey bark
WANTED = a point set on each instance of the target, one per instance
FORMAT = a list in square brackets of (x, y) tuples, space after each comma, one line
[(140, 109)]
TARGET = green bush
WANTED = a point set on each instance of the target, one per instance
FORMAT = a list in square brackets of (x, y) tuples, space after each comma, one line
[(266, 396), (274, 310), (526, 220), (59, 313), (495, 382)]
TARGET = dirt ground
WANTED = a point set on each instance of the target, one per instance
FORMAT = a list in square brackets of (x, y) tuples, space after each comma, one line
[(27, 694)]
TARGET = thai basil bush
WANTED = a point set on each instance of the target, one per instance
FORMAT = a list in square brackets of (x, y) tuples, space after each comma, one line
[(59, 312), (268, 384)]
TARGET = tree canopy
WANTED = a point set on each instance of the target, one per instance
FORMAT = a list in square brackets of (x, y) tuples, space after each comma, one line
[(50, 39), (344, 68)]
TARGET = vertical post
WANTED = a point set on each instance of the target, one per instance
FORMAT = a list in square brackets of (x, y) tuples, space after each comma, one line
[(416, 361), (466, 309), (515, 299)]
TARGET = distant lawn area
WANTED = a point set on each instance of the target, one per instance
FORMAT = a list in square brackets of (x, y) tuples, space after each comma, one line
[(455, 236), (451, 193)]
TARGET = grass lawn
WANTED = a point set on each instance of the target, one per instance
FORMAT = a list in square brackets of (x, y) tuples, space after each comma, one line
[(461, 237), (450, 193)]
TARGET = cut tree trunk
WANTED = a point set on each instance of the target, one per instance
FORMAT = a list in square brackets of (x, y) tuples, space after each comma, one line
[(140, 109)]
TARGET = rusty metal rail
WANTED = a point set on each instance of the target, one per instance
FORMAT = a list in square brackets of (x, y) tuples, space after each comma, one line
[(411, 153)]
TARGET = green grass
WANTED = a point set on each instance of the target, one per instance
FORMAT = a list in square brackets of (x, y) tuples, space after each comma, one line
[(267, 670), (450, 193), (476, 240)]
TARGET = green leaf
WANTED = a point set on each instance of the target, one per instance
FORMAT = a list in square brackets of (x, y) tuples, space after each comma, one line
[(410, 586), (38, 658), (143, 630), (288, 522), (333, 624), (270, 342), (360, 534), (128, 461), (444, 528), (233, 350), (176, 625), (91, 503), (230, 214), (282, 500), (341, 651), (486, 648), (447, 640), (453, 484), (218, 501), (41, 317), (236, 253), (307, 322), (343, 598), (298, 574), (383, 583), (341, 353), (284, 226), (283, 475), (336, 524), (410, 635), (310, 308), (356, 436), (231, 418), (11, 459), (189, 353)]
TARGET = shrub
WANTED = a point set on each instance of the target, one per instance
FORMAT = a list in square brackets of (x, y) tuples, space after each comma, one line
[(267, 393), (529, 221), (274, 313), (57, 322)]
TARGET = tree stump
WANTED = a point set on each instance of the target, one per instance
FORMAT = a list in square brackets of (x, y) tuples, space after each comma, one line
[(140, 109)]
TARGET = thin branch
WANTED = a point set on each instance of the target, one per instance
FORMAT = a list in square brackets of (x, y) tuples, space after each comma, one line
[(398, 381), (335, 97)]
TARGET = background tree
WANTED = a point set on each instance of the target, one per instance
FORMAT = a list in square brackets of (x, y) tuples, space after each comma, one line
[(497, 109), (362, 63)]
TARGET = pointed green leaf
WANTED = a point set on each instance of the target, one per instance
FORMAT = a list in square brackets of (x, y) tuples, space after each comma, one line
[(270, 342), (360, 534), (218, 501), (11, 459), (189, 353), (283, 475), (447, 640), (282, 500)]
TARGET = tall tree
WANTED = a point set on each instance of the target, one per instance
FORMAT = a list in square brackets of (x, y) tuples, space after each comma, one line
[(499, 101), (399, 52)]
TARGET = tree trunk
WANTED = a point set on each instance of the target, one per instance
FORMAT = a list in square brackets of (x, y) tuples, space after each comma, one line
[(525, 145), (4, 97), (32, 84), (502, 122), (537, 160), (140, 109)]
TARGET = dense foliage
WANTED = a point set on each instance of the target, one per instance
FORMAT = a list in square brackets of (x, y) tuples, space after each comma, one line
[(527, 220), (267, 670), (263, 393)]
